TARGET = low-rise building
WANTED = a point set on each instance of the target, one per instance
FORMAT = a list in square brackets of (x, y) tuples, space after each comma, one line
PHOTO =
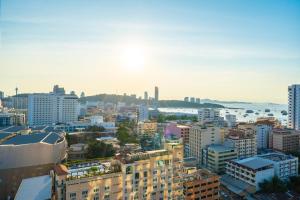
[(147, 127), (12, 119), (35, 188), (201, 184), (251, 171), (244, 142), (285, 140), (77, 151), (285, 166), (177, 131), (254, 170), (216, 156), (27, 153)]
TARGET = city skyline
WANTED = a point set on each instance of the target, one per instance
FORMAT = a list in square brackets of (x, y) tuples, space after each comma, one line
[(226, 51)]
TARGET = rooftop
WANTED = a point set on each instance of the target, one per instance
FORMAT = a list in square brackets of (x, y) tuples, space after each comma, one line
[(277, 157), (36, 188), (254, 162), (88, 169), (50, 138), (219, 148)]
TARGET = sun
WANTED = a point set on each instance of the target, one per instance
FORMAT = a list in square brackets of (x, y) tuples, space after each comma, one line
[(133, 57)]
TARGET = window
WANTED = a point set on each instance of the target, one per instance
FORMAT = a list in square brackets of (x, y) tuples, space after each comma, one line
[(72, 195)]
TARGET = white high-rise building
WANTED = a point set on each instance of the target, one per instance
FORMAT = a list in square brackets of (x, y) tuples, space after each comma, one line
[(52, 108), (294, 107), (208, 115), (231, 120), (143, 113)]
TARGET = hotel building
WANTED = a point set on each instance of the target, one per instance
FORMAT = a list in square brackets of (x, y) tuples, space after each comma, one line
[(144, 175)]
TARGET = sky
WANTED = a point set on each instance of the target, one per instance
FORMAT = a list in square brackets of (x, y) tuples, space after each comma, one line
[(218, 49)]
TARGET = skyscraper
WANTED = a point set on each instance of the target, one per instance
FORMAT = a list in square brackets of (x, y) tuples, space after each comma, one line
[(1, 95), (146, 95), (156, 93), (294, 107)]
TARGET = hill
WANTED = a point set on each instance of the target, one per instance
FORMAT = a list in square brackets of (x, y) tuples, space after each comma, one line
[(133, 100)]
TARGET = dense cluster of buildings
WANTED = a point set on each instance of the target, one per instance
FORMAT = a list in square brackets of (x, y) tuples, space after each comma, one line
[(173, 159)]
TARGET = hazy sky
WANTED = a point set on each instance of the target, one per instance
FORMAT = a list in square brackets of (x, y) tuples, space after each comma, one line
[(227, 50)]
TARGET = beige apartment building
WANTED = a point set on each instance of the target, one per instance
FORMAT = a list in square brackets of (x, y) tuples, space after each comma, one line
[(200, 137), (144, 175), (285, 140), (243, 140), (146, 127), (216, 156)]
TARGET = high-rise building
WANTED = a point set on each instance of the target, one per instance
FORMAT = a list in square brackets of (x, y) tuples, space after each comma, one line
[(143, 113), (294, 107), (192, 100), (146, 96), (156, 94), (231, 120), (20, 101), (200, 137), (47, 109), (243, 140), (208, 115), (1, 95), (186, 99), (59, 90), (143, 175), (198, 100)]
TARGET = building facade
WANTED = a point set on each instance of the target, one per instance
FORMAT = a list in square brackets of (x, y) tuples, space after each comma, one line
[(200, 137), (147, 127), (145, 175), (251, 171), (285, 140), (216, 156), (47, 109), (201, 184), (243, 141), (207, 115), (294, 107)]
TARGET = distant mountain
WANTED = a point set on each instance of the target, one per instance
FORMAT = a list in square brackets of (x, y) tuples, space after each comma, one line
[(184, 104), (112, 98)]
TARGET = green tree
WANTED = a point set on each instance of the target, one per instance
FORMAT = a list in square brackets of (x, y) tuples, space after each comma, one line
[(124, 136), (275, 185), (98, 149), (294, 183)]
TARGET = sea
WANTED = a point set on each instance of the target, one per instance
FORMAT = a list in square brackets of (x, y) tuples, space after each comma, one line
[(240, 111)]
